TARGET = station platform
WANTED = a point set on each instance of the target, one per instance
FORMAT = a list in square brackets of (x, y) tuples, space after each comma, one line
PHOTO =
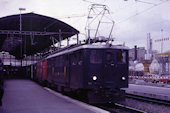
[(162, 93), (25, 96)]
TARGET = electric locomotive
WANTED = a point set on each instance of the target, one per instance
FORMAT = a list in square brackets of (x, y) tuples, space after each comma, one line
[(94, 72)]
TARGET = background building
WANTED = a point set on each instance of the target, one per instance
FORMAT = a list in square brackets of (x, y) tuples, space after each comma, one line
[(137, 53)]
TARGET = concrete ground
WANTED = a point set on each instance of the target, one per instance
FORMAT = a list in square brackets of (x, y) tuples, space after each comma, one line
[(25, 96), (149, 91)]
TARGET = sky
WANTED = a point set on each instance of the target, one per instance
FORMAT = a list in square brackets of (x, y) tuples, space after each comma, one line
[(133, 18)]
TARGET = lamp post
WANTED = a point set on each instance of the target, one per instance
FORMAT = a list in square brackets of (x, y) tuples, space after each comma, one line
[(162, 40), (21, 9), (20, 28)]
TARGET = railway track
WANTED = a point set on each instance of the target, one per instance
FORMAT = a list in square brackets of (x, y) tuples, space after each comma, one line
[(128, 109), (119, 108), (123, 108), (148, 99)]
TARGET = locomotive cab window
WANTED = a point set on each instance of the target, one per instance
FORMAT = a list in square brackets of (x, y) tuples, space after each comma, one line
[(109, 57), (80, 57), (74, 58), (121, 56), (77, 58), (95, 57)]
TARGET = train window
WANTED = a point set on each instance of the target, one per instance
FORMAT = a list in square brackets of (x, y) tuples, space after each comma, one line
[(95, 57), (57, 61), (66, 59), (121, 56), (80, 58), (109, 57), (60, 61), (124, 57), (74, 59)]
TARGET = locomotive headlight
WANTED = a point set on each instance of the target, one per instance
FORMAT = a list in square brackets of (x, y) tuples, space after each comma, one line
[(110, 42), (123, 78), (94, 78)]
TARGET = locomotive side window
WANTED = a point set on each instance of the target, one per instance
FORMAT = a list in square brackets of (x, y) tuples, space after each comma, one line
[(66, 59), (95, 57), (60, 61), (73, 58), (77, 58), (124, 56), (121, 56), (80, 57), (109, 57)]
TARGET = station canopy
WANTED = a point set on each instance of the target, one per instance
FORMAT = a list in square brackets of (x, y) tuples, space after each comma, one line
[(38, 33)]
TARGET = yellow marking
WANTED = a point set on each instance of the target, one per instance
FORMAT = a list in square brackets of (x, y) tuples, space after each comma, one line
[(89, 83), (65, 71), (52, 70)]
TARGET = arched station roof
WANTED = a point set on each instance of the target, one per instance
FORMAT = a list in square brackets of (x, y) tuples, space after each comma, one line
[(37, 33)]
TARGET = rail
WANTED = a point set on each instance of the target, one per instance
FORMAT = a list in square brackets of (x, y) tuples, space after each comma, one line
[(148, 99), (129, 109), (119, 108)]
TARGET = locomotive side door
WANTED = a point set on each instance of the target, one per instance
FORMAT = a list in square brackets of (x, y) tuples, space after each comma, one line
[(122, 67), (109, 68), (75, 70), (67, 69)]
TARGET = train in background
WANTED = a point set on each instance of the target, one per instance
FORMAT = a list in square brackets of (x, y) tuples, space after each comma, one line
[(96, 73)]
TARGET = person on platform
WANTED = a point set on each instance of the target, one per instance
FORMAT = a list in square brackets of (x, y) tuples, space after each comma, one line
[(1, 82)]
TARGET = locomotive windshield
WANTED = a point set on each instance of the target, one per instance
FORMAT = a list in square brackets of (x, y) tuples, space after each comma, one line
[(77, 58), (95, 56), (109, 57), (121, 56)]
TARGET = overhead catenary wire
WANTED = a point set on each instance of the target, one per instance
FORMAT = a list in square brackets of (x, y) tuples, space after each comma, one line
[(126, 19), (88, 1), (143, 11), (145, 2)]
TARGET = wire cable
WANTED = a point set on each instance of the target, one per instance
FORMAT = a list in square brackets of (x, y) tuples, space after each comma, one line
[(143, 11)]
